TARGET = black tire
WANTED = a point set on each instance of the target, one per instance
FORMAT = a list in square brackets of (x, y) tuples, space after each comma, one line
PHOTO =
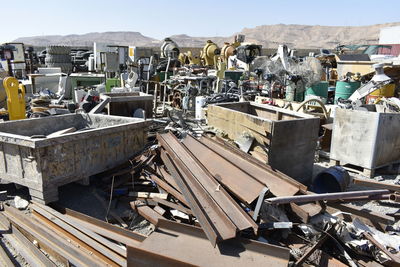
[(51, 58), (58, 50)]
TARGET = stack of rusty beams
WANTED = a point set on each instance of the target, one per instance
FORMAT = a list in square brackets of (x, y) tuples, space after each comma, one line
[(218, 213), (75, 238)]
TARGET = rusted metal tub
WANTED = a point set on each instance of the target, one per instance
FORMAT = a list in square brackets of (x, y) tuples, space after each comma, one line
[(100, 142)]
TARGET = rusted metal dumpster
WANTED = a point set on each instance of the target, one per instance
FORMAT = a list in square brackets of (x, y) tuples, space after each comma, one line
[(288, 139), (100, 142), (125, 104)]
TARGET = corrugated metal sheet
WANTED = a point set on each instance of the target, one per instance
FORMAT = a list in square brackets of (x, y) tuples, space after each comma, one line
[(394, 51)]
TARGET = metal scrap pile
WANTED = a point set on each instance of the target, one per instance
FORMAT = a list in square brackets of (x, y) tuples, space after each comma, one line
[(211, 204)]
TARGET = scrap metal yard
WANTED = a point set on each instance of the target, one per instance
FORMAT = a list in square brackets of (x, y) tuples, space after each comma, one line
[(242, 152)]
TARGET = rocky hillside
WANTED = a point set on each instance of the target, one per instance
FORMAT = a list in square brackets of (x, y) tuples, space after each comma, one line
[(295, 36)]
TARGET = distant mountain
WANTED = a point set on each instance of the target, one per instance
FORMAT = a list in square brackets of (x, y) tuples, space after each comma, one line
[(269, 36)]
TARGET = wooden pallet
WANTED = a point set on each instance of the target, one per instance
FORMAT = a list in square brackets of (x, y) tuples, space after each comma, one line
[(369, 173)]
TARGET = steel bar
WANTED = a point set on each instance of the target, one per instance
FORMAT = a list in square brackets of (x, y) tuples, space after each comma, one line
[(146, 212), (169, 189), (234, 212), (27, 250), (375, 184), (363, 213), (209, 229), (5, 260), (49, 238), (310, 251), (189, 244), (173, 205), (84, 249), (395, 197), (247, 188), (81, 236), (210, 215), (105, 229), (111, 245), (326, 196), (381, 247)]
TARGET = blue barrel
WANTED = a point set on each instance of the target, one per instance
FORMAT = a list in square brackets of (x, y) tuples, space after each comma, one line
[(333, 179), (319, 89), (345, 89)]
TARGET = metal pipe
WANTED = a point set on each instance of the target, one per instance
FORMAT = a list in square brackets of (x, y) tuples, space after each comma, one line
[(395, 197), (327, 196)]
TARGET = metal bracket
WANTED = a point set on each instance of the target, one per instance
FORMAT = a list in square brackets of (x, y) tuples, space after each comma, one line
[(259, 202)]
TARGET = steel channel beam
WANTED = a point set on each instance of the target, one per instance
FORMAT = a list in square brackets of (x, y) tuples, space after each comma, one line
[(201, 215), (50, 239), (233, 211), (326, 196), (105, 229), (81, 236), (278, 185), (375, 184), (240, 183), (27, 250), (189, 244), (211, 217), (169, 189)]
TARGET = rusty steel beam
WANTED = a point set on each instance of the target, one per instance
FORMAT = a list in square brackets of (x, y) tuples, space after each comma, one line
[(111, 245), (375, 184), (28, 251), (209, 229), (169, 189), (105, 229), (240, 183), (223, 213), (189, 244), (173, 205), (325, 196), (49, 238), (146, 212), (271, 175), (94, 245)]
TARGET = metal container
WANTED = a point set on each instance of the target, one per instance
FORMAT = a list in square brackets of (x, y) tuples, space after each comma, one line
[(294, 93), (365, 139), (286, 140), (319, 89), (345, 89), (125, 104), (43, 164), (333, 179)]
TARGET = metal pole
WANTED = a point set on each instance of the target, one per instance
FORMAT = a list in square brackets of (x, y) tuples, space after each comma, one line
[(326, 196)]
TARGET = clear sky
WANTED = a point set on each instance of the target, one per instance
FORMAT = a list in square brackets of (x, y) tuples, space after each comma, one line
[(158, 18)]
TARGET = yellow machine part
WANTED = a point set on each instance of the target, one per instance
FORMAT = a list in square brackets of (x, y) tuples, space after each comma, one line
[(209, 53), (15, 99), (387, 90)]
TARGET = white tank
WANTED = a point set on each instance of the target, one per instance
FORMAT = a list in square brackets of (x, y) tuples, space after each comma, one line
[(199, 112)]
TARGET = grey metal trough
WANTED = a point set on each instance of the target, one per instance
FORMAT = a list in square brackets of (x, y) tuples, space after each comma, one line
[(100, 142)]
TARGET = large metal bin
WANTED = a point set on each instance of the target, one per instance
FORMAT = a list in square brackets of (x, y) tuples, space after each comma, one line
[(125, 104), (365, 139), (289, 138), (43, 164)]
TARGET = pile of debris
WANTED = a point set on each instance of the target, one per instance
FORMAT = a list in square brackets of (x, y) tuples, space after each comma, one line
[(211, 204)]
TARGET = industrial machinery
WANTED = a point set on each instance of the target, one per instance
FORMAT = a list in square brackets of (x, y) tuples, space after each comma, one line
[(230, 49), (169, 49), (15, 99), (210, 53), (379, 80)]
